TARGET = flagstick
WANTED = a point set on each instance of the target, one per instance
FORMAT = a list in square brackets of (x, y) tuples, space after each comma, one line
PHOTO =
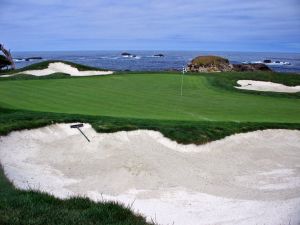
[(181, 83), (183, 70)]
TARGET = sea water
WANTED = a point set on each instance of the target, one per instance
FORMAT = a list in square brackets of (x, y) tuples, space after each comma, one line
[(147, 61)]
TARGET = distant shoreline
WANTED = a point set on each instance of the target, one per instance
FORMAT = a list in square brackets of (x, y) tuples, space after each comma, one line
[(172, 60)]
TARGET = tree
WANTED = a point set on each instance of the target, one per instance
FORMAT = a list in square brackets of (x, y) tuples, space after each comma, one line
[(7, 59)]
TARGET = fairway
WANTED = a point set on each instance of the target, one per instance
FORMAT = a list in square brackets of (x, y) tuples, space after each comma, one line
[(147, 96)]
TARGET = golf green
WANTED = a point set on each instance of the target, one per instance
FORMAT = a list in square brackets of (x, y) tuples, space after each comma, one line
[(147, 96)]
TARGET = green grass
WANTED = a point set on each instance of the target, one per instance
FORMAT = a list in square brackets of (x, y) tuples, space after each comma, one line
[(185, 132), (228, 80), (148, 96)]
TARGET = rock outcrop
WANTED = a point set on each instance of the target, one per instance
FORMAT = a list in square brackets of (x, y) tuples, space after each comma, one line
[(267, 61), (209, 64), (159, 55), (27, 59), (250, 67), (218, 64), (125, 54), (128, 55), (33, 58)]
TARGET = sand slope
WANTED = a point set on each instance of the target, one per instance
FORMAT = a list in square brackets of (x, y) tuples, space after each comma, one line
[(59, 67), (251, 178), (266, 86)]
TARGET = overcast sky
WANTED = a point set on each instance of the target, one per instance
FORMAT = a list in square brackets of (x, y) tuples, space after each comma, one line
[(216, 25)]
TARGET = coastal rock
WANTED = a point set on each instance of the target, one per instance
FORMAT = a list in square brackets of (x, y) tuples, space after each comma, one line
[(33, 58), (128, 55), (249, 67), (219, 64), (267, 61), (209, 64), (27, 59), (159, 55), (125, 54)]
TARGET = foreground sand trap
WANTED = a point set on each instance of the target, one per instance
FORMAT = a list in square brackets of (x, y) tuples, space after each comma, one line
[(59, 67), (266, 86), (251, 178)]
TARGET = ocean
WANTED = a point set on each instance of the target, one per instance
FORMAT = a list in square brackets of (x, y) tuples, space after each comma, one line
[(146, 61)]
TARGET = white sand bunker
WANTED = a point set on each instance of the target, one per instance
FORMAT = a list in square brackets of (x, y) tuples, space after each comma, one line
[(266, 86), (251, 178), (59, 67)]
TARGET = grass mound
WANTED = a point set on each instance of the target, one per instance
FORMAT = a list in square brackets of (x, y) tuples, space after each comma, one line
[(45, 64), (209, 60)]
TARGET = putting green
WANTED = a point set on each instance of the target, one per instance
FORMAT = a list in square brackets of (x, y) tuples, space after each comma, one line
[(148, 96)]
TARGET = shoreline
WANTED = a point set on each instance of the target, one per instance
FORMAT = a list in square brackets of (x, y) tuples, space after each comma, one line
[(172, 59)]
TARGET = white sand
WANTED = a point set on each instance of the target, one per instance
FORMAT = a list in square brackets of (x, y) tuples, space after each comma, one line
[(7, 75), (266, 86), (251, 178), (59, 67)]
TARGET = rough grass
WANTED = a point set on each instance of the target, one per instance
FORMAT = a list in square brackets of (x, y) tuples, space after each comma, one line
[(19, 207), (186, 132)]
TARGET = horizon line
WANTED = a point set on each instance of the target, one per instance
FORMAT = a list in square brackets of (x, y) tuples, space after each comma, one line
[(171, 50)]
